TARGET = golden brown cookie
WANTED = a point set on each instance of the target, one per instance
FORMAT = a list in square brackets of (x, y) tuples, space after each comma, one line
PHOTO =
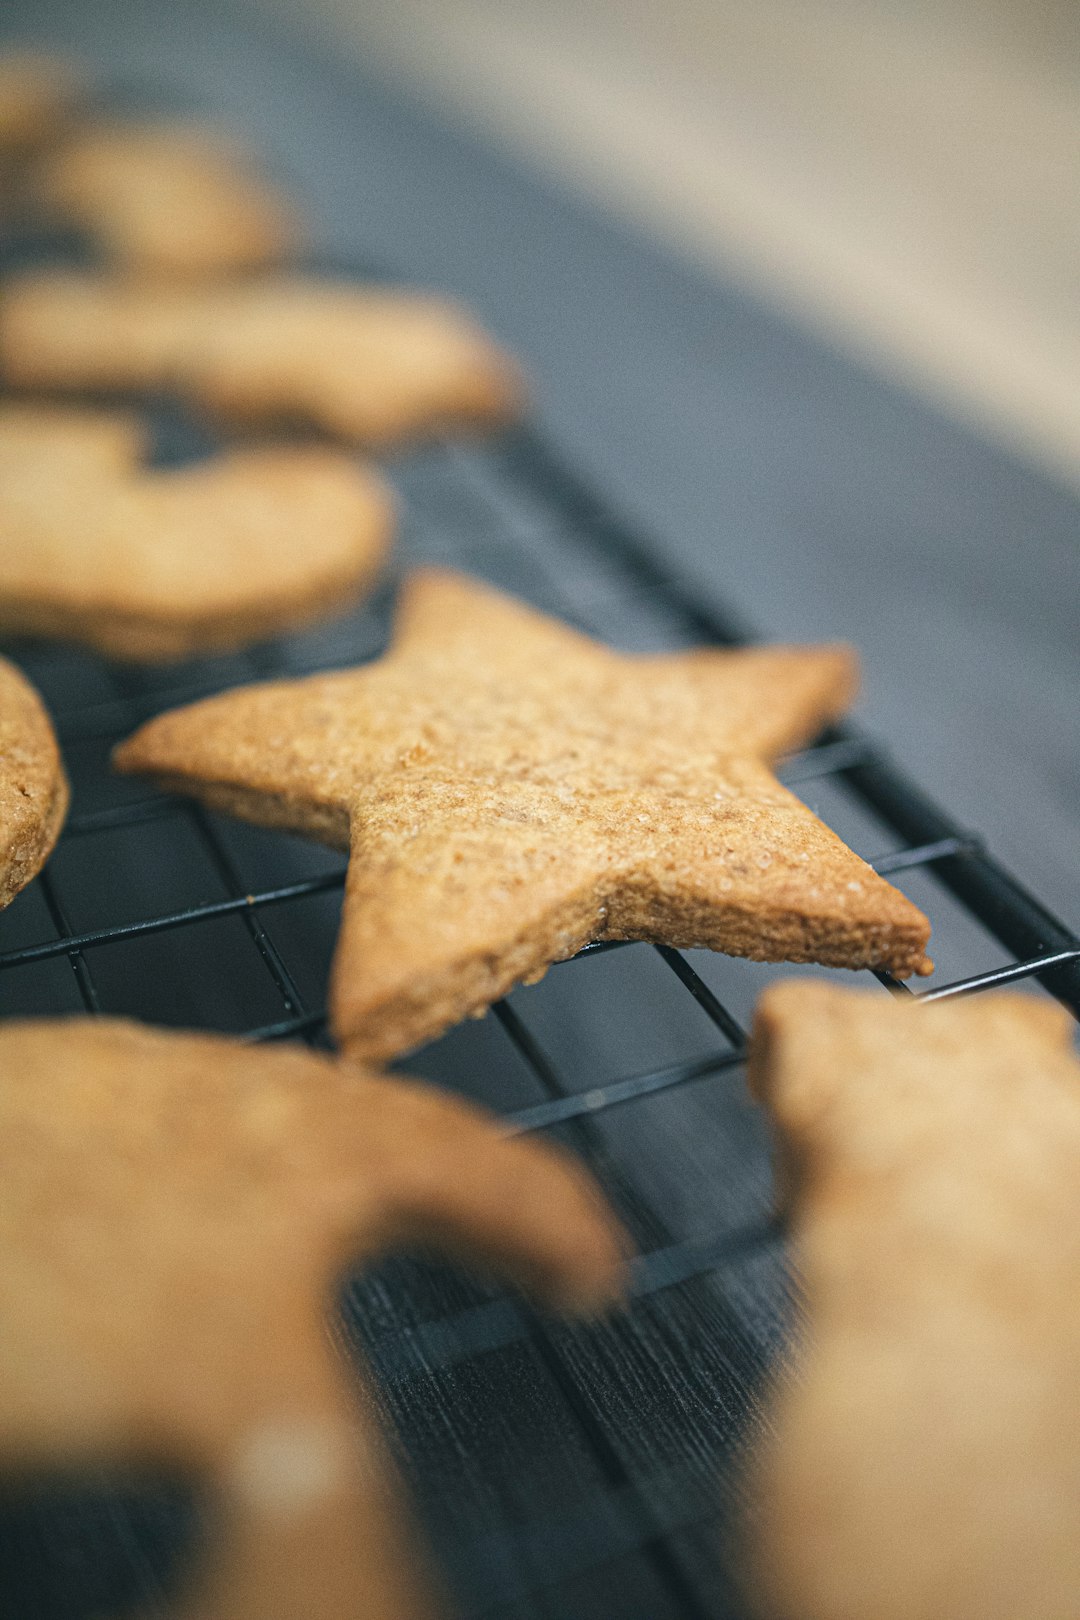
[(175, 1214), (33, 787), (43, 447), (36, 94), (925, 1456), (152, 564), (369, 365), (511, 790), (168, 200)]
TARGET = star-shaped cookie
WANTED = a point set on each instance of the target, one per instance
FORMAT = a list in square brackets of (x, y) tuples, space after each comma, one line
[(167, 199), (175, 1214), (924, 1452), (33, 787), (152, 564), (367, 364), (511, 790)]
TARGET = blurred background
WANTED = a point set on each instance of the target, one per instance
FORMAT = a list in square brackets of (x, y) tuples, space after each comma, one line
[(903, 176)]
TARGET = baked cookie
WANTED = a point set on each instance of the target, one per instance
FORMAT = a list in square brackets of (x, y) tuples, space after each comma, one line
[(167, 200), (151, 564), (36, 94), (926, 1458), (33, 787), (511, 790), (175, 1213), (370, 365)]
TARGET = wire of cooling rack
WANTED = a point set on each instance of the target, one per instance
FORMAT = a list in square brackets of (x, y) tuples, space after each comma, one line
[(1045, 948), (517, 472), (1042, 947), (1048, 949)]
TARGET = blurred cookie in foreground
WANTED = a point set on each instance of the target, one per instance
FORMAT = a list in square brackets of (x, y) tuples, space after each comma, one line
[(924, 1452), (33, 787), (37, 94), (153, 564), (176, 1213), (371, 365), (510, 791), (168, 200)]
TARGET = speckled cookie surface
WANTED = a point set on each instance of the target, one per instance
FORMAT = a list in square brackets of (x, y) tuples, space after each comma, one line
[(925, 1452), (152, 564), (510, 790), (167, 200), (365, 364), (33, 787), (175, 1213)]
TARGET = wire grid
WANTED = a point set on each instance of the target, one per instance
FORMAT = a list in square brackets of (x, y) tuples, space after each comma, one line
[(1045, 948), (513, 513)]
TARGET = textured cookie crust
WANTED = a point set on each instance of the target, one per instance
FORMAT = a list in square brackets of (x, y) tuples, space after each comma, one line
[(511, 790), (168, 200), (36, 95), (175, 1213), (925, 1459), (367, 365), (33, 787), (153, 565)]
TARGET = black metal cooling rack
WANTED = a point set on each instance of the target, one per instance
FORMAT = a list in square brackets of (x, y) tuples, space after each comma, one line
[(559, 1471)]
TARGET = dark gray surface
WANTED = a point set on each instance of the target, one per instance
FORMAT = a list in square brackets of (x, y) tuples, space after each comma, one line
[(589, 1473)]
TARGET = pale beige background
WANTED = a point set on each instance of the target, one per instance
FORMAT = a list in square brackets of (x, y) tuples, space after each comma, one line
[(906, 176)]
